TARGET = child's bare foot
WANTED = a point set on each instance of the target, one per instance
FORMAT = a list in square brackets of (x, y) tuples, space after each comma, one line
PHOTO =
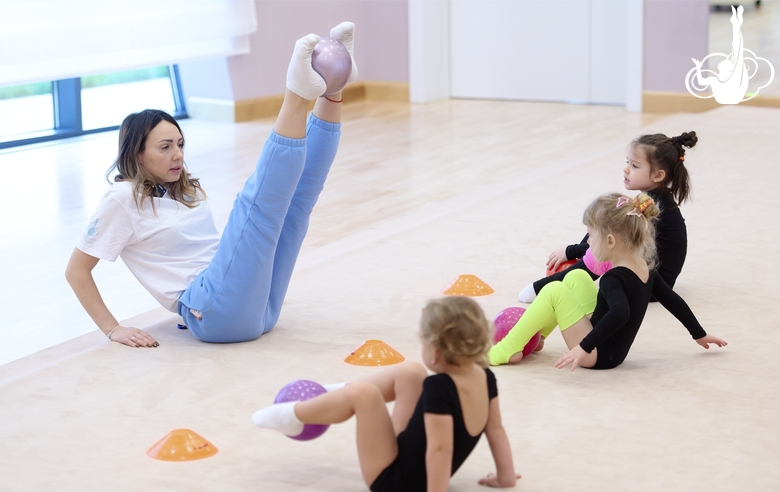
[(516, 358), (540, 345)]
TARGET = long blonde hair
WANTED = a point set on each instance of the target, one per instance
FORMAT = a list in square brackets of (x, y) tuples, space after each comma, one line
[(132, 142), (632, 219), (457, 327)]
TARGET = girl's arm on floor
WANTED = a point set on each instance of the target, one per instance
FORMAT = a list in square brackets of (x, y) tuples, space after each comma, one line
[(505, 475), (438, 453), (680, 310)]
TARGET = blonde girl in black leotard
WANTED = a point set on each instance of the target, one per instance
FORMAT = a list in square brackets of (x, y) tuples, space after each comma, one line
[(436, 421)]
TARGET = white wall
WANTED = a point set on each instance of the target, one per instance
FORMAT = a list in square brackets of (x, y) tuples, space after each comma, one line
[(543, 50), (429, 53)]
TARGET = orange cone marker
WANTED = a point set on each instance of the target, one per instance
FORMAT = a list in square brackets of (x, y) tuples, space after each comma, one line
[(182, 445), (374, 353), (467, 285)]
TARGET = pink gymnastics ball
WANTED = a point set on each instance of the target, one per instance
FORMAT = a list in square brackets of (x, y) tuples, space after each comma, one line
[(506, 320)]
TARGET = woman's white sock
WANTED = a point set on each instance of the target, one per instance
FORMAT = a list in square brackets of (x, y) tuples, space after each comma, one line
[(344, 33), (301, 77), (281, 417)]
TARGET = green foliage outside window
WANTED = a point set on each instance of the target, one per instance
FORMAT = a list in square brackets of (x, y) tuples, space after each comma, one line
[(124, 77), (40, 88), (13, 91)]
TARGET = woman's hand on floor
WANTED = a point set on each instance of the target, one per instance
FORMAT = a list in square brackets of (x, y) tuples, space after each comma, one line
[(132, 337)]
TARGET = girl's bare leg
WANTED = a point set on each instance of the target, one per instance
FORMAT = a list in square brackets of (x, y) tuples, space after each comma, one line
[(402, 384), (366, 399), (376, 440), (574, 334)]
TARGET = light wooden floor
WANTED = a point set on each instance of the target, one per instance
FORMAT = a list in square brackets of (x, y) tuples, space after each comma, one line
[(417, 196), (398, 160)]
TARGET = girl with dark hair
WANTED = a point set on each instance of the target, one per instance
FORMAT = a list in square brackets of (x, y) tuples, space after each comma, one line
[(654, 165), (156, 217)]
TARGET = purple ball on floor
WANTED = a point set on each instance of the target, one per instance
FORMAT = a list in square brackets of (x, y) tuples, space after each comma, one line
[(331, 60), (302, 390), (506, 320)]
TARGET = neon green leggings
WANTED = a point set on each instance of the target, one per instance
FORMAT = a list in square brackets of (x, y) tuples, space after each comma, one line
[(559, 303)]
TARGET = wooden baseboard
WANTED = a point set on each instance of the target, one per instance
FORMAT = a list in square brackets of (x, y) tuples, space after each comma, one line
[(265, 107), (260, 107), (682, 102), (383, 90)]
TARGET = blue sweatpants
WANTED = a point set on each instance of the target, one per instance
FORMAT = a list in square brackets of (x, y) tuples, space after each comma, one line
[(238, 297)]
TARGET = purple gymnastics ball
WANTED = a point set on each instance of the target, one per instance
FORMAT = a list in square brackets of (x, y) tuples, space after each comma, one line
[(331, 60), (302, 390)]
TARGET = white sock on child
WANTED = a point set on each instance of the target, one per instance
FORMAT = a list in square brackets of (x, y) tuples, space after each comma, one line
[(301, 77), (333, 386), (281, 417), (528, 294), (344, 33)]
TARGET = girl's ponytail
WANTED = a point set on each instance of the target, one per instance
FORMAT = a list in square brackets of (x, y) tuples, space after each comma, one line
[(633, 219), (668, 154)]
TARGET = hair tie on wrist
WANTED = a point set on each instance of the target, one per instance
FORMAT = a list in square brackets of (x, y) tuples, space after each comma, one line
[(112, 331), (333, 100)]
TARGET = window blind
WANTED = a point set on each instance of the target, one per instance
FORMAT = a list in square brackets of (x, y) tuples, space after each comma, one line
[(44, 40)]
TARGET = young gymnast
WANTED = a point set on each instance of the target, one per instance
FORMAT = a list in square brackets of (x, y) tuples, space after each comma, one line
[(156, 217), (654, 165), (436, 421), (620, 230)]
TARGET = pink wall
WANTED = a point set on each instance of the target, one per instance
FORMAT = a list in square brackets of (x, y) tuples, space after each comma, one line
[(674, 32), (381, 47)]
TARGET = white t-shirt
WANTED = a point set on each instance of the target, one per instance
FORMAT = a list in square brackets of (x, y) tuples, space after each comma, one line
[(165, 250)]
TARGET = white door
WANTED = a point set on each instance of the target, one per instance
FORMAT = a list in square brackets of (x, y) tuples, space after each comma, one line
[(542, 50)]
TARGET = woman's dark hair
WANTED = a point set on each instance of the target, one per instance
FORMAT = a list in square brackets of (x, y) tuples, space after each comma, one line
[(668, 154), (132, 142)]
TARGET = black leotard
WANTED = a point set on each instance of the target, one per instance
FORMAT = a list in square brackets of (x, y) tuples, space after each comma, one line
[(671, 242), (620, 308), (440, 395)]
